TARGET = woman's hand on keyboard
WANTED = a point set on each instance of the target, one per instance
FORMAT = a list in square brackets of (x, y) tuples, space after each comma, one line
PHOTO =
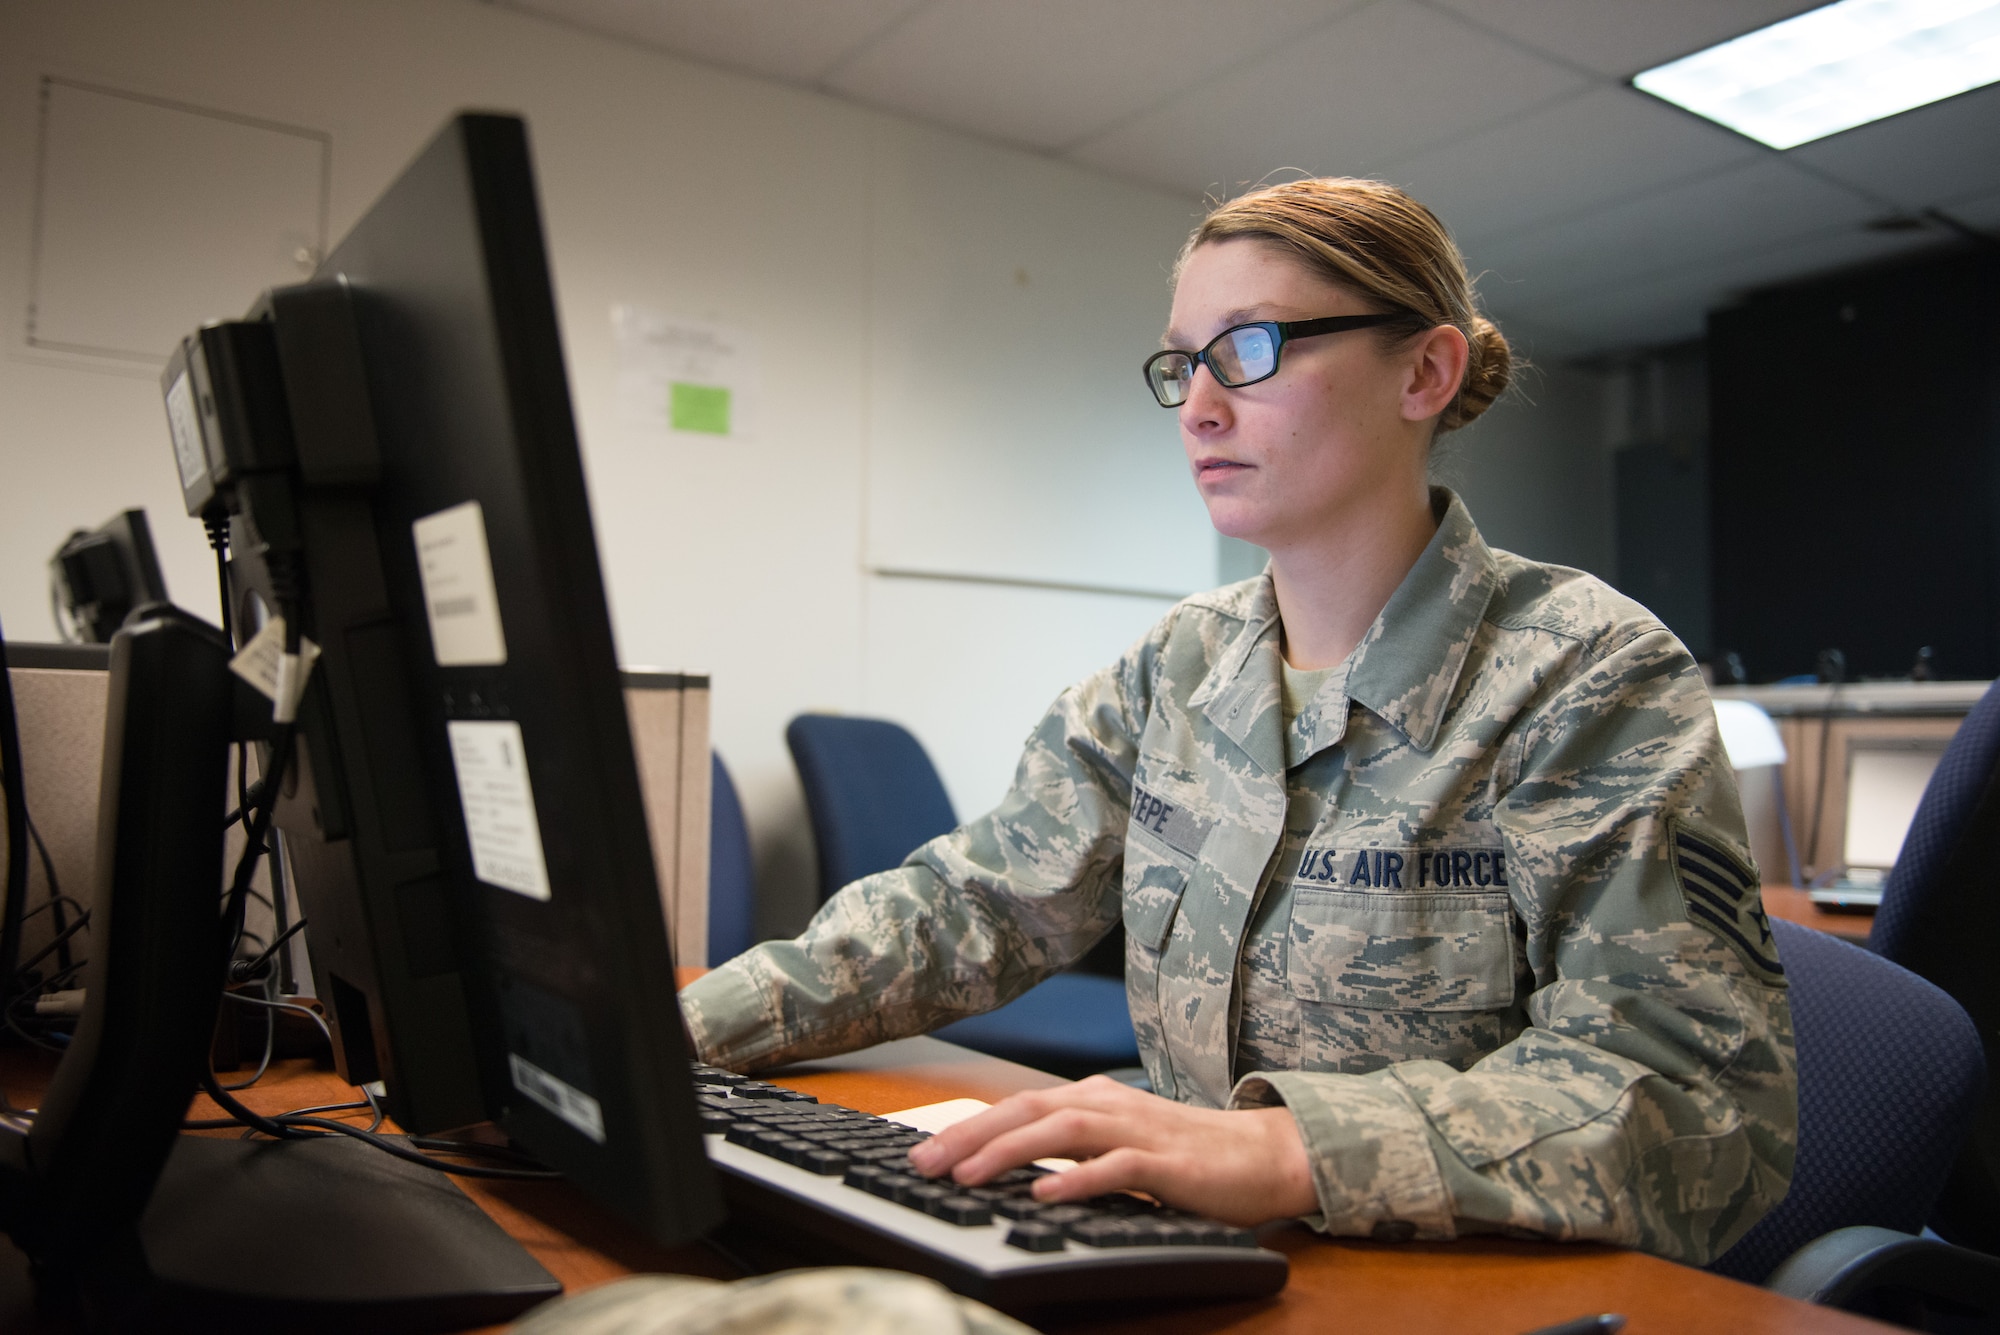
[(1242, 1166)]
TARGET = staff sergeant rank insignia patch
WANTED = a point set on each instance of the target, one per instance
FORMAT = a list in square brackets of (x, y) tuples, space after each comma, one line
[(1721, 894)]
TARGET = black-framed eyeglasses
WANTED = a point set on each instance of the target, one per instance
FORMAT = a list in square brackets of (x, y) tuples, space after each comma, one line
[(1244, 354)]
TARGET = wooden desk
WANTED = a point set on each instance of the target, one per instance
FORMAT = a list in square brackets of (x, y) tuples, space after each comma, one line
[(1480, 1287), (1795, 905)]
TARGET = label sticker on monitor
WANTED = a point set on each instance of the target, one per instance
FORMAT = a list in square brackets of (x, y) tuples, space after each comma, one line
[(186, 429), (457, 573), (499, 805), (572, 1105)]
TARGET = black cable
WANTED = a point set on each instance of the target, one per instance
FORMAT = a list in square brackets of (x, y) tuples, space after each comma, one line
[(1819, 780), (313, 1128), (254, 847), (51, 903), (54, 946), (388, 1146), (243, 971), (477, 1149), (217, 528), (56, 896), (270, 1045)]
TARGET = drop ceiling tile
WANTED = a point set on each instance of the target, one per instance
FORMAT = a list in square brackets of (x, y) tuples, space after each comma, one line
[(1942, 151), (1753, 208), (1619, 38), (778, 39), (1380, 84), (1578, 154), (1047, 73)]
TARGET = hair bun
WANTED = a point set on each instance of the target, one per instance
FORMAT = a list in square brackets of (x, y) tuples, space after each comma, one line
[(1489, 368)]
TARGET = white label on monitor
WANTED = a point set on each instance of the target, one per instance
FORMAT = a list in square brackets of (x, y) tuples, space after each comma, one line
[(499, 805), (564, 1100), (186, 428), (458, 587)]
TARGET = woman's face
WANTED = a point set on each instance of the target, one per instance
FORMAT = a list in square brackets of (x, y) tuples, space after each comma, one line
[(1288, 458)]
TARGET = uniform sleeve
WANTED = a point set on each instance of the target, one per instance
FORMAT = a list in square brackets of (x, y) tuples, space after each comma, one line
[(972, 919), (1652, 1101)]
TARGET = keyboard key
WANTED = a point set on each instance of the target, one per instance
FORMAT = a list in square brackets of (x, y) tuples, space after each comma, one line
[(712, 1121), (1062, 1216), (713, 1075), (993, 1195), (1120, 1203), (897, 1187), (791, 1150), (962, 1210), (1019, 1207), (1102, 1232), (1036, 1237), (920, 1196), (862, 1176), (827, 1163)]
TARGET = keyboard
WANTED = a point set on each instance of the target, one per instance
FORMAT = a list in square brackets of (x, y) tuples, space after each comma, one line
[(838, 1184)]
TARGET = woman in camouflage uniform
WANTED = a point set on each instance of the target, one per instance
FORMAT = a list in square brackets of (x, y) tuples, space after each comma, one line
[(1438, 913)]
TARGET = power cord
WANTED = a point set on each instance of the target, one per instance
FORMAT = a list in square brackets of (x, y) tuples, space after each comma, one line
[(297, 1127)]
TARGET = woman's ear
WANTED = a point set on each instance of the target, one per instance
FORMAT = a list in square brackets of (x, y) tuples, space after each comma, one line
[(1434, 370)]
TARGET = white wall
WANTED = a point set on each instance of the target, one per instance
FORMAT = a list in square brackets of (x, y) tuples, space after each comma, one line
[(1535, 469), (931, 310), (949, 334)]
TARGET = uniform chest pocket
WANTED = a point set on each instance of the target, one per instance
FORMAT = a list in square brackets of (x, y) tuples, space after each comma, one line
[(1390, 951), (1154, 880)]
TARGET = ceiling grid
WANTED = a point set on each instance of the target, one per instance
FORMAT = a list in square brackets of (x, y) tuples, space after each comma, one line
[(1601, 219)]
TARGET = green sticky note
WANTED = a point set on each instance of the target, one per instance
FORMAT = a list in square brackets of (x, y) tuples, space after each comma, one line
[(699, 408)]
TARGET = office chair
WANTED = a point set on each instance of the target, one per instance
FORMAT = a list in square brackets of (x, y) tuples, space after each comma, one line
[(1890, 1074), (871, 791), (1940, 917), (731, 884), (874, 796)]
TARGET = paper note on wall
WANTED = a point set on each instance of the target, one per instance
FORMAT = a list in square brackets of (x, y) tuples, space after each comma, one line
[(684, 375)]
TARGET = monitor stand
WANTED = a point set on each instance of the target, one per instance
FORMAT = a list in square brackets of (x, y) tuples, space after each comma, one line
[(141, 1227), (314, 1234)]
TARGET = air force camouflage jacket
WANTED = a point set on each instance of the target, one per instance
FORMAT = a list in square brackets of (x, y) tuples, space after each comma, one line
[(1480, 916)]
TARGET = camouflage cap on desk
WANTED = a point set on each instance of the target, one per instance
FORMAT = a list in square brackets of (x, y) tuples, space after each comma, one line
[(837, 1300)]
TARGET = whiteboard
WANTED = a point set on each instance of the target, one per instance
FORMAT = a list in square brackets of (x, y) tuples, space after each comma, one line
[(1010, 433)]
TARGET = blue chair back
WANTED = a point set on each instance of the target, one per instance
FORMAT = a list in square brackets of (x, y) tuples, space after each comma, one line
[(1940, 916), (1890, 1076), (872, 793), (1961, 803), (731, 884)]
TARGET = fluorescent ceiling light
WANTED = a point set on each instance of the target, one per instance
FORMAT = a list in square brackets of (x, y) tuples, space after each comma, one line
[(1836, 67)]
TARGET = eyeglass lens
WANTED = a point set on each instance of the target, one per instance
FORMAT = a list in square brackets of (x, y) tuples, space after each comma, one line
[(1238, 357)]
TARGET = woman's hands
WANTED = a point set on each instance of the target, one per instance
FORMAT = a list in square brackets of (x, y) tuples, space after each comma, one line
[(1243, 1167)]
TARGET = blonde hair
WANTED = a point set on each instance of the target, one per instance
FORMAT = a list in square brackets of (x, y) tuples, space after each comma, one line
[(1375, 240)]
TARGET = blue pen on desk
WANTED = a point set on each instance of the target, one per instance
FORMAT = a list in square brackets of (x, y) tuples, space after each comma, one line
[(1604, 1323)]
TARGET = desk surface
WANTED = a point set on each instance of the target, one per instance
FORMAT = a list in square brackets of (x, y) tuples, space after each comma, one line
[(1795, 905), (1481, 1287)]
